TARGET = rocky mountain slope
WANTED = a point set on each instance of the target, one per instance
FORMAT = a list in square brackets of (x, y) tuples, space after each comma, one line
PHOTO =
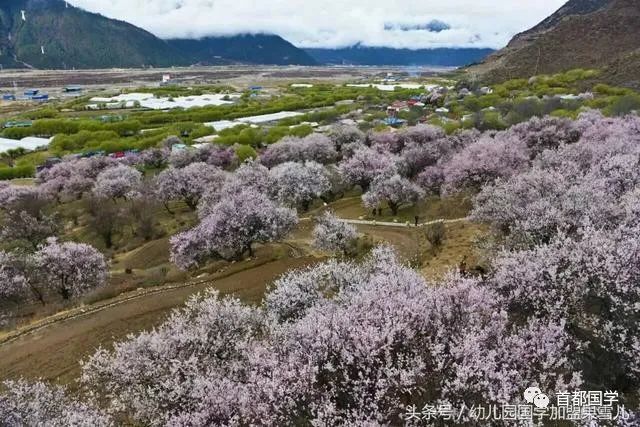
[(52, 34), (582, 34)]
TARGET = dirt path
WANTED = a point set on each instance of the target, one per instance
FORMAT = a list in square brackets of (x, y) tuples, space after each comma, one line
[(403, 225), (53, 352)]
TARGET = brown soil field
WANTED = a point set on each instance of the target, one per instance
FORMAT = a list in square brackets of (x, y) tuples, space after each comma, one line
[(53, 352), (233, 75)]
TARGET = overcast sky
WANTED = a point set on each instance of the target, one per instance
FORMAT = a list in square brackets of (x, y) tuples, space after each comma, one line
[(337, 23)]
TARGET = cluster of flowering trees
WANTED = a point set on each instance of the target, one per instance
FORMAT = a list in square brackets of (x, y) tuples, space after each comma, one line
[(214, 155), (73, 178), (117, 182), (590, 182), (340, 343), (250, 205), (33, 263), (354, 343)]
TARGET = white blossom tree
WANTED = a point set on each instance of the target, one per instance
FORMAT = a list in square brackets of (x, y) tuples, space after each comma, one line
[(298, 184), (334, 235), (395, 191)]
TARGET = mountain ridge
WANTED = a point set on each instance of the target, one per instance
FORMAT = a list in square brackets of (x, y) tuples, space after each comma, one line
[(598, 34), (55, 35), (265, 49)]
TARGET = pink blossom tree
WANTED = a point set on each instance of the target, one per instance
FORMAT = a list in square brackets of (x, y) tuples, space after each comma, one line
[(344, 138), (11, 195), (334, 235), (163, 369), (182, 158), (386, 141), (421, 134), (298, 184), (71, 269), (39, 404), (418, 157), (216, 155), (396, 142), (13, 280), (65, 180), (117, 182), (211, 154), (231, 227), (189, 183), (72, 178), (431, 179), (534, 206), (249, 176), (22, 226), (366, 164), (576, 184), (540, 134), (155, 157), (484, 161), (315, 147), (395, 191)]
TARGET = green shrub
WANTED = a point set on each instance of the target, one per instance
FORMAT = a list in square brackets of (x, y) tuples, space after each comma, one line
[(624, 105), (26, 171), (436, 234), (43, 113), (80, 141), (564, 113), (604, 89), (301, 131), (245, 152)]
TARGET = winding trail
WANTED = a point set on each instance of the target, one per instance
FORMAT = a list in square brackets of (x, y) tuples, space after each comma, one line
[(403, 224)]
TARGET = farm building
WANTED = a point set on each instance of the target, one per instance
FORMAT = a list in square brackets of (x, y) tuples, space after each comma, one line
[(18, 124), (73, 89)]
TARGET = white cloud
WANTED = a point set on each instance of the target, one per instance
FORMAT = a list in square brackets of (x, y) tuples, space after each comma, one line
[(335, 23)]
